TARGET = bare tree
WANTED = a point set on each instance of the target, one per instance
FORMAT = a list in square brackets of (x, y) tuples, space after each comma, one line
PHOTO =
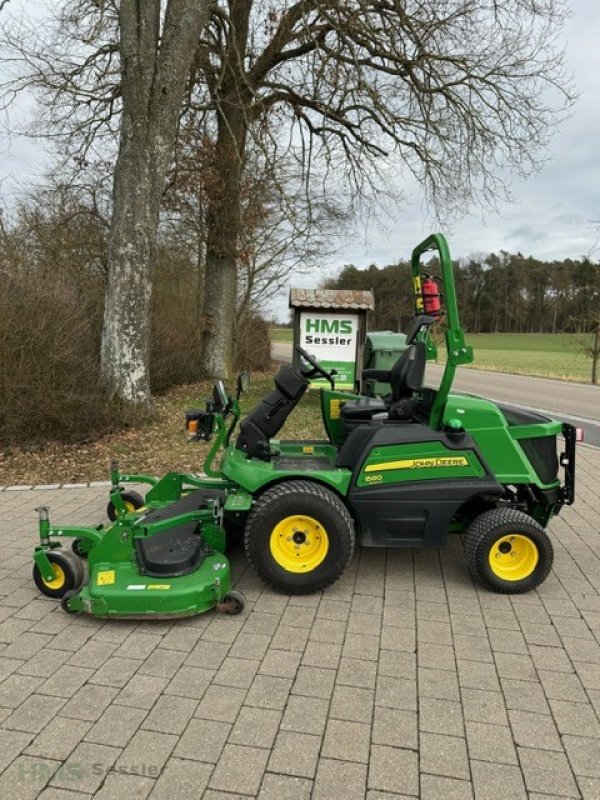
[(454, 91)]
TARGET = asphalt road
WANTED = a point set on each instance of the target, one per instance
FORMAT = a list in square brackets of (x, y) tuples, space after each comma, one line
[(577, 403)]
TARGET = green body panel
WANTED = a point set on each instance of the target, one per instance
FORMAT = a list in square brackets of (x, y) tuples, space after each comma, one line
[(254, 475), (419, 461), (498, 441), (116, 589)]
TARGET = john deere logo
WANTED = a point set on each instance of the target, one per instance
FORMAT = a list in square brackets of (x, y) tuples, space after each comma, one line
[(340, 328)]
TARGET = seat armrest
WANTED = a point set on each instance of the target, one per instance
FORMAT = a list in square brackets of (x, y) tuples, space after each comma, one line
[(376, 375)]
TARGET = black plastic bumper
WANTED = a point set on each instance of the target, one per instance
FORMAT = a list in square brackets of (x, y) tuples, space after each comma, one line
[(567, 461)]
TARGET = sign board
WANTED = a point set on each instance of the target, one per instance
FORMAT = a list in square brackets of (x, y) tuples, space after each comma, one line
[(332, 337)]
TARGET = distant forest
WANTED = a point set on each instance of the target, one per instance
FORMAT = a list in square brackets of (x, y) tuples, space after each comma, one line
[(497, 293)]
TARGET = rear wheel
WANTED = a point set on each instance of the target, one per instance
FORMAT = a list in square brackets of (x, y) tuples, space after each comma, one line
[(133, 501), (508, 551), (68, 574), (299, 537)]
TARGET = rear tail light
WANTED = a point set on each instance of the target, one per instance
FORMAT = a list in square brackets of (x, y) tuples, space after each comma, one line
[(579, 434)]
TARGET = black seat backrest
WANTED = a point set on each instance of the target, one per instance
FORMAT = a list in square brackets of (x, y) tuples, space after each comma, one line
[(416, 325), (268, 417), (408, 373)]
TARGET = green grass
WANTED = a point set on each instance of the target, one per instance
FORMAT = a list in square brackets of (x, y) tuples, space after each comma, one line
[(281, 334), (544, 354)]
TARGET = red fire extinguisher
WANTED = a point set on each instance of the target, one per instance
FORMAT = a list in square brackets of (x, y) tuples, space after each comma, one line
[(431, 297)]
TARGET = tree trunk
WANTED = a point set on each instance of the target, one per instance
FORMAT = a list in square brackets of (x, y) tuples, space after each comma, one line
[(126, 329), (155, 66), (224, 221)]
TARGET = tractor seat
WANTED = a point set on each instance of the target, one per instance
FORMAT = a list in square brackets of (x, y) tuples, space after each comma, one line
[(405, 378), (363, 409)]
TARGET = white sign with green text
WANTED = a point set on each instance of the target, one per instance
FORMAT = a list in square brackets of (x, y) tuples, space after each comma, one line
[(332, 339)]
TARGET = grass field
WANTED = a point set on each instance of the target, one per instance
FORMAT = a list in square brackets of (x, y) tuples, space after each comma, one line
[(545, 354)]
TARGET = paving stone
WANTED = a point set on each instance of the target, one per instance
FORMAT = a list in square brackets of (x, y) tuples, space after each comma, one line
[(314, 682), (357, 672), (577, 719), (26, 646), (562, 686), (443, 755), (584, 755), (170, 714), (221, 703), (550, 658), (45, 663), (497, 781), (321, 654), (207, 657), (434, 787), (52, 793), (16, 688), (269, 692), (138, 645), (118, 785), (295, 754), (236, 672), (547, 772), (190, 682), (393, 770), (115, 672), (181, 780), (280, 663), (89, 702), (240, 769), (305, 715), (285, 787), (525, 695), (482, 706), (26, 777), (141, 691), (347, 741), (395, 728), (59, 738), (146, 752), (396, 693), (331, 775), (11, 744), (287, 638), (86, 767), (161, 663), (436, 656), (491, 743), (513, 665), (256, 727), (203, 740), (252, 646), (534, 730), (357, 645), (352, 703), (116, 726), (34, 713), (440, 716), (439, 683)]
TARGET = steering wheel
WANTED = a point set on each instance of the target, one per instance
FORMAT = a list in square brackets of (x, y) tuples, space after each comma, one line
[(317, 369)]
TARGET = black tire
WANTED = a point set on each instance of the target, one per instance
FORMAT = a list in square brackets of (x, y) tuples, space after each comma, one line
[(69, 570), (136, 500), (78, 546), (64, 601), (498, 528), (303, 499), (234, 603)]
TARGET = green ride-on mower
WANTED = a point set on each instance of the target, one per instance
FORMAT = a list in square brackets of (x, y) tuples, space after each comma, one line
[(404, 470)]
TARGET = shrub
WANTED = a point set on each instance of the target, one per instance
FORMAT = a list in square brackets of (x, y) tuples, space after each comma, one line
[(252, 344)]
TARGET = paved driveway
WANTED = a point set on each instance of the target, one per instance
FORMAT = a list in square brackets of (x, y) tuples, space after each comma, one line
[(403, 680)]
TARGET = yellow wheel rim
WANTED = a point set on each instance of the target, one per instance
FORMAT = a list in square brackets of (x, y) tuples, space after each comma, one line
[(129, 507), (514, 557), (59, 578), (299, 543)]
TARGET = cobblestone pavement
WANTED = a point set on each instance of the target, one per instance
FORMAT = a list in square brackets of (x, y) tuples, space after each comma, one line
[(402, 680)]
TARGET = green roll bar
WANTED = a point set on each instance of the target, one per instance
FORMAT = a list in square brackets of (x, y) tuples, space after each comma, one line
[(457, 351)]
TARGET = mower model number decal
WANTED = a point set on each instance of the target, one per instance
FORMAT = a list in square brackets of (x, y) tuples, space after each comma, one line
[(420, 463), (106, 578), (161, 586), (373, 478), (308, 450), (136, 587)]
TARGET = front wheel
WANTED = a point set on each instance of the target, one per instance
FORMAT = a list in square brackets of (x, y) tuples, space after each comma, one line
[(299, 537), (68, 574), (507, 551), (132, 500)]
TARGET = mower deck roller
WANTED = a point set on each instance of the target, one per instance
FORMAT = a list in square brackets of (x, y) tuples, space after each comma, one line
[(407, 469)]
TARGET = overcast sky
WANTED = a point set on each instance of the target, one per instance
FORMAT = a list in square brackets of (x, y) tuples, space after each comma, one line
[(552, 212)]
